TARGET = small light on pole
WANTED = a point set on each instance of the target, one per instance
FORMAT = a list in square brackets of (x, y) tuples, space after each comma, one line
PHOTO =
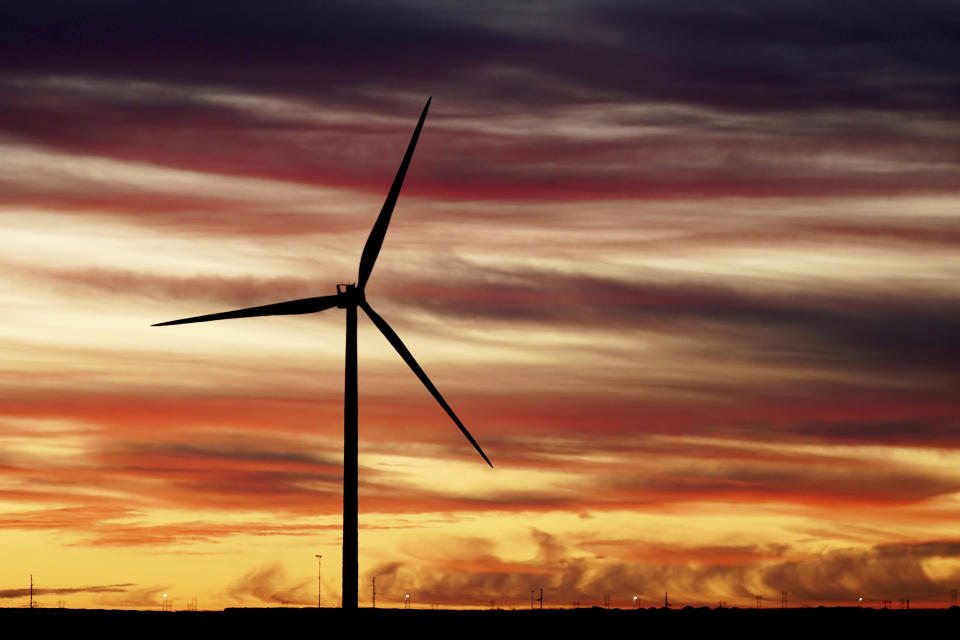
[(319, 573), (164, 602), (636, 602), (406, 601)]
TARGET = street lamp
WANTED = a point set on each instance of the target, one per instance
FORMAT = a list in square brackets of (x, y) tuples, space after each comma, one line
[(164, 602), (406, 601), (636, 602), (319, 570)]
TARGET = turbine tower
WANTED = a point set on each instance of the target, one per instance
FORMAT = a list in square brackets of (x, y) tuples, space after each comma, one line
[(349, 297)]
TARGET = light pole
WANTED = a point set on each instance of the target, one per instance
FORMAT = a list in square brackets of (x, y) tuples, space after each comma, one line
[(164, 602), (636, 602), (319, 574), (406, 601)]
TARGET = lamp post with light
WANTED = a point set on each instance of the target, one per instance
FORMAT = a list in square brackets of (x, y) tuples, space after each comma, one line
[(319, 573)]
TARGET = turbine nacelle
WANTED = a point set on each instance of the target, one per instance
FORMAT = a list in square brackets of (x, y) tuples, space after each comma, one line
[(349, 295)]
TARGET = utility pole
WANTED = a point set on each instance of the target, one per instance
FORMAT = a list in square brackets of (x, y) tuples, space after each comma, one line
[(666, 603), (319, 574), (531, 599), (783, 599), (31, 591), (541, 598), (374, 592), (759, 602), (953, 597)]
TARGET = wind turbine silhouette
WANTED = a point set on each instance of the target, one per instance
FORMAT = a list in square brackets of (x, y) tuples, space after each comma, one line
[(349, 297)]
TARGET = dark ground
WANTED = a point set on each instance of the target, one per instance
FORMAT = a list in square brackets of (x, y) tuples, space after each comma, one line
[(593, 624)]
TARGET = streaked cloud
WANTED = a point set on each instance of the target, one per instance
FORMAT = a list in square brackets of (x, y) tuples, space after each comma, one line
[(270, 585), (46, 591), (707, 576)]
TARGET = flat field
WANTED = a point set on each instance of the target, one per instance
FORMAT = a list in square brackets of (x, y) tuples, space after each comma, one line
[(592, 624)]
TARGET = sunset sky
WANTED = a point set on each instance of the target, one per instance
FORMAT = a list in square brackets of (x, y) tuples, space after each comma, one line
[(687, 270)]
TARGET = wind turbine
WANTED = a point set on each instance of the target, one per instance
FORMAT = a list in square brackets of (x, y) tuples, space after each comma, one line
[(349, 297)]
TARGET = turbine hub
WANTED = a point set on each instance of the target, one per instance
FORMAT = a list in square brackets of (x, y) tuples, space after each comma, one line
[(348, 295)]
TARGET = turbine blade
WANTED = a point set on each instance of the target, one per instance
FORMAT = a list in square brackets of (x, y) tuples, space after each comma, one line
[(305, 305), (375, 240), (394, 339)]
